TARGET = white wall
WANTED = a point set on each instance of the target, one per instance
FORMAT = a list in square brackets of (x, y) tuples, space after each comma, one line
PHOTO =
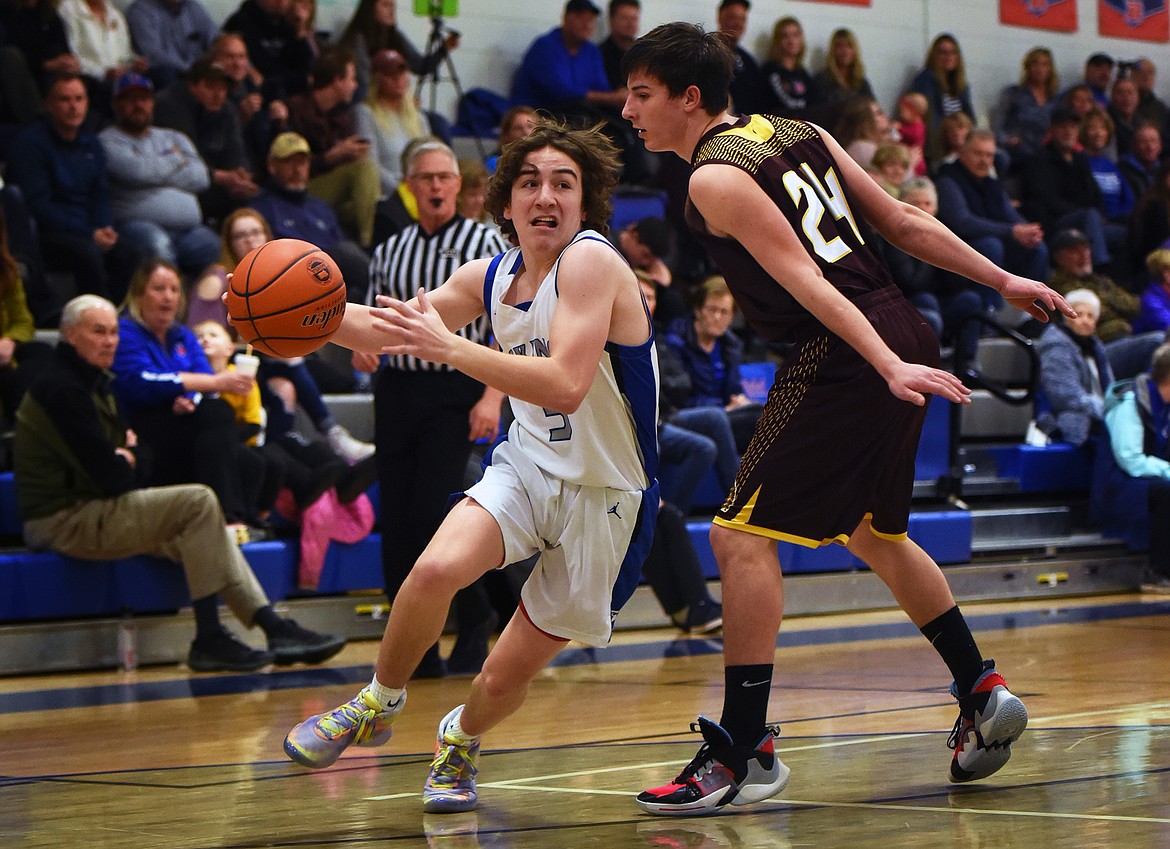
[(894, 35)]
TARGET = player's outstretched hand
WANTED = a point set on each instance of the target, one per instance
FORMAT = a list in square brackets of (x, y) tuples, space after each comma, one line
[(1035, 298), (913, 382), (419, 329)]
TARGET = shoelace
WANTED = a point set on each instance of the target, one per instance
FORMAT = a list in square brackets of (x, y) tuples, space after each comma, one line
[(449, 765), (956, 735), (341, 720), (700, 765)]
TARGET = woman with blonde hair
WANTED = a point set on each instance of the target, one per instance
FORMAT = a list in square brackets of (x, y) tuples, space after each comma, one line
[(390, 118), (788, 82), (842, 80), (1025, 109)]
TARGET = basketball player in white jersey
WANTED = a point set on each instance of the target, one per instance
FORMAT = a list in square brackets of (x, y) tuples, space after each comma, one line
[(573, 483)]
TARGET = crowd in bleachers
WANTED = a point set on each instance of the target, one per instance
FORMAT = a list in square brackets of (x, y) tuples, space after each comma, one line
[(156, 144)]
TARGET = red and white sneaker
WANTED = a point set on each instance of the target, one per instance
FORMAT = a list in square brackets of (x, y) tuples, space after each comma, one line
[(990, 720), (720, 774)]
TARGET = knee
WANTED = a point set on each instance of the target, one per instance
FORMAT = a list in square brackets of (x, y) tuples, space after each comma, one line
[(433, 577), (203, 503)]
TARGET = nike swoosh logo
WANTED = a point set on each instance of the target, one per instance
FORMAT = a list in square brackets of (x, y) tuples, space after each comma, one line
[(754, 683)]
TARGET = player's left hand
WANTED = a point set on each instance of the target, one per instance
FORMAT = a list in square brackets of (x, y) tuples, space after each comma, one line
[(913, 382), (484, 420), (1029, 296), (419, 327)]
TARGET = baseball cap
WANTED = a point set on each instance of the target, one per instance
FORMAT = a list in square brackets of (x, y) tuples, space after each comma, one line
[(288, 144), (1069, 238), (1063, 114), (132, 82), (205, 68), (1100, 59), (582, 6), (387, 62)]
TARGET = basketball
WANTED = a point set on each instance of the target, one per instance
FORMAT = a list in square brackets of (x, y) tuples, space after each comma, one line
[(286, 298)]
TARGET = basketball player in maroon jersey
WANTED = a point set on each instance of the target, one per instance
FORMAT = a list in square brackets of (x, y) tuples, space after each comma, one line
[(783, 210)]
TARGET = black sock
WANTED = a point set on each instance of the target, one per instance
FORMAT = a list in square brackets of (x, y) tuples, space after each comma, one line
[(206, 616), (952, 639), (745, 702), (268, 620)]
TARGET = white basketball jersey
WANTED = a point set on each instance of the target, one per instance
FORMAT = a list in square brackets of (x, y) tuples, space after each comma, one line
[(612, 438)]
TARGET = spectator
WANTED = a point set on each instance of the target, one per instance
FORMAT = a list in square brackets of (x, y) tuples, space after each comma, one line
[(37, 29), (283, 59), (645, 244), (1025, 109), (61, 169), (787, 82), (944, 83), (374, 28), (100, 39), (1136, 416), (625, 18), (945, 300), (1074, 372), (156, 176), (79, 481), (167, 390), (21, 358), (842, 79), (390, 118), (261, 119), (170, 34), (863, 128), (674, 574), (1154, 312), (1079, 98), (975, 205), (1096, 138), (197, 106), (1151, 109), (1060, 191), (1098, 75), (891, 167), (711, 355), (284, 383), (1150, 226), (341, 171), (20, 98), (292, 213), (954, 130), (302, 14), (1123, 109), (747, 83), (474, 176), (1128, 350), (1140, 165), (518, 122), (427, 415), (911, 128)]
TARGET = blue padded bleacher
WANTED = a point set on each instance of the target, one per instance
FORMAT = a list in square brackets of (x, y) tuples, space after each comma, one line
[(1058, 467), (632, 203)]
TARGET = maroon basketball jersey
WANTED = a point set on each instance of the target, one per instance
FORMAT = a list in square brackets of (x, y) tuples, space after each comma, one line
[(794, 167)]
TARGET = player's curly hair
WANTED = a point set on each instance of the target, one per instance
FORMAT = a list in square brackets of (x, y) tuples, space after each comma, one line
[(590, 149)]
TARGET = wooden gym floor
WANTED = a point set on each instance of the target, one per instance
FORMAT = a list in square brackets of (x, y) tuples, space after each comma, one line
[(162, 758)]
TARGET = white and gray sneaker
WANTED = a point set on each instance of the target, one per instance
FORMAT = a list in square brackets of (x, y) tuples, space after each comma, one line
[(346, 447)]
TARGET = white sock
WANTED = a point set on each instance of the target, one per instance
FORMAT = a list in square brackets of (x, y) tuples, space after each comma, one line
[(455, 731), (383, 695)]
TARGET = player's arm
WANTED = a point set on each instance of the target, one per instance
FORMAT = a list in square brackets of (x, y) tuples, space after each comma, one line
[(459, 301), (924, 236), (589, 280), (732, 202)]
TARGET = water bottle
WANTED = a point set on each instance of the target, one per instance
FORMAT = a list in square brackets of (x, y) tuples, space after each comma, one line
[(127, 643)]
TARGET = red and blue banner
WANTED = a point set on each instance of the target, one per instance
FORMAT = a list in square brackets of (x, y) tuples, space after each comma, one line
[(1059, 15), (1145, 20), (845, 2)]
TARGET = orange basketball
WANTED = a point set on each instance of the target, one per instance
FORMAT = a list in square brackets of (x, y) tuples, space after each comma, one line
[(286, 298)]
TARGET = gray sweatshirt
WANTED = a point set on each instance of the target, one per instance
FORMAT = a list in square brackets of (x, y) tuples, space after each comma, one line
[(154, 177)]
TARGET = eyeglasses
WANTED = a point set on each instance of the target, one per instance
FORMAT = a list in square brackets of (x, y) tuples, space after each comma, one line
[(247, 234), (431, 176), (713, 310)]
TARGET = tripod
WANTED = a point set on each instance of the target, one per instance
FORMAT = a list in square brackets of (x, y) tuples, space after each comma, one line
[(436, 46)]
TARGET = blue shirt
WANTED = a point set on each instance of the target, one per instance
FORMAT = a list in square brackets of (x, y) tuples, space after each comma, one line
[(550, 76), (146, 371)]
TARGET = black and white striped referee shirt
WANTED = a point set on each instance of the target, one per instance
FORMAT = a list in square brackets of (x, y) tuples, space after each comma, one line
[(411, 260)]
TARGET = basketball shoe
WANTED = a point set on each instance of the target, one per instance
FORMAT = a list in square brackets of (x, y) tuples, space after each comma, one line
[(990, 720), (319, 740), (450, 788), (722, 773)]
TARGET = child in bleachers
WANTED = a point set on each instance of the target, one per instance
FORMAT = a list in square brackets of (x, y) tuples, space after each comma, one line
[(911, 124), (891, 167)]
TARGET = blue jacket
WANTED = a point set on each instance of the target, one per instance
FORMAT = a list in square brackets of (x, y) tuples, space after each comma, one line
[(1155, 310), (550, 76), (1066, 380), (708, 390), (64, 183), (298, 215), (146, 373)]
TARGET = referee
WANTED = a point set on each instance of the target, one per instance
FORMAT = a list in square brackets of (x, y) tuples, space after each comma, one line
[(426, 416)]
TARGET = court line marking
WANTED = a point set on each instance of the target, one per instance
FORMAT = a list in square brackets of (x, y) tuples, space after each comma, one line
[(389, 797), (988, 811), (1064, 717)]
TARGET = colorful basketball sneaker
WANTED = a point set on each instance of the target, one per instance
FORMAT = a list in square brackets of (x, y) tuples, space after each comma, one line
[(721, 774), (319, 740), (990, 720), (450, 788)]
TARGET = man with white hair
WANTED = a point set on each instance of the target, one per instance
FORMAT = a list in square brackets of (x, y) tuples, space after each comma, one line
[(77, 467)]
